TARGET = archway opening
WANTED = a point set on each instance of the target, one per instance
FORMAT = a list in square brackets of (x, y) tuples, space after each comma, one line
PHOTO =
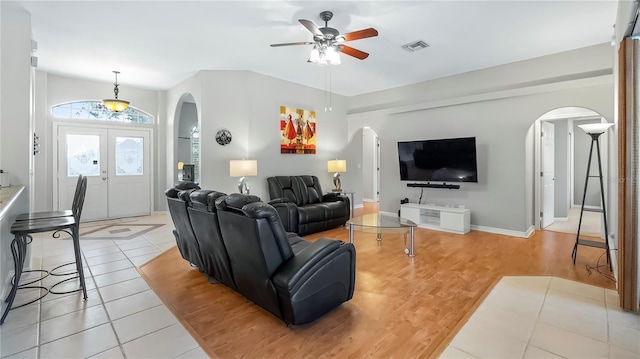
[(187, 140), (562, 159)]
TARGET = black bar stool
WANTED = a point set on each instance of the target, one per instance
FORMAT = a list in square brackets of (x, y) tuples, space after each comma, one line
[(23, 229), (55, 214)]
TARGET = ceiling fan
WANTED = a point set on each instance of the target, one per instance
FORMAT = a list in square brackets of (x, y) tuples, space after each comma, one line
[(328, 41)]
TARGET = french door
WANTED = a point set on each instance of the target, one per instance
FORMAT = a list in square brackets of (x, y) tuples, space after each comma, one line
[(117, 165)]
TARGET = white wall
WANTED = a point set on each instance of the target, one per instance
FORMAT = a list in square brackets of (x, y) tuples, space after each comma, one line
[(52, 90), (368, 164), (497, 106), (15, 119), (248, 104), (15, 93)]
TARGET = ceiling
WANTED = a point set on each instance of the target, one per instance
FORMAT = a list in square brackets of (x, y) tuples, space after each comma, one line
[(157, 44)]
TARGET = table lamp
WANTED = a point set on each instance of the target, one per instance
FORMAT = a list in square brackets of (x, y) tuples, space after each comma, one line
[(243, 168), (337, 166), (180, 170)]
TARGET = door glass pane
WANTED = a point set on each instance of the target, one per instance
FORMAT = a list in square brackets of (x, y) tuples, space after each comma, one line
[(83, 155), (129, 156)]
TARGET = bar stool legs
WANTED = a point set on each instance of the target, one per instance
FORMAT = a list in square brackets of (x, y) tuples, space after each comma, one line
[(76, 248), (19, 252)]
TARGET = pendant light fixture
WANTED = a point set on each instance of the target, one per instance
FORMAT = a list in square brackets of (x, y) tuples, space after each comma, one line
[(114, 104)]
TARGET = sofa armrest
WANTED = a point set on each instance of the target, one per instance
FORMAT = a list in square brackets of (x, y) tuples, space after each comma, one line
[(333, 197), (279, 200), (290, 274), (288, 213)]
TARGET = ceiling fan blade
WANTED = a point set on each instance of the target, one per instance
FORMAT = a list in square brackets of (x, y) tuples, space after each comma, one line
[(360, 34), (312, 27), (353, 52), (293, 44)]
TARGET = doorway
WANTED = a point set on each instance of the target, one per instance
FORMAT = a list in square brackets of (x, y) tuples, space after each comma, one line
[(370, 165), (117, 163), (563, 156), (188, 136)]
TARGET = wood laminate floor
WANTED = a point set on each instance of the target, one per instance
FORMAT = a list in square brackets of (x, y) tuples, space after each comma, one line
[(402, 307)]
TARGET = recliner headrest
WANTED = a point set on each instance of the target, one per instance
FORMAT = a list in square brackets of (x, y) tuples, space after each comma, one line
[(235, 200), (261, 210), (171, 193), (180, 186), (205, 199), (183, 185), (185, 195)]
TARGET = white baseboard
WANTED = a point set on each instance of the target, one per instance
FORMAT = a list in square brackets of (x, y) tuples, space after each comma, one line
[(160, 212), (561, 219), (506, 232), (368, 200), (358, 206), (580, 206)]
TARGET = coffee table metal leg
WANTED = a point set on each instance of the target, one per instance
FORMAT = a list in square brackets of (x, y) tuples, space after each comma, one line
[(411, 252), (350, 232)]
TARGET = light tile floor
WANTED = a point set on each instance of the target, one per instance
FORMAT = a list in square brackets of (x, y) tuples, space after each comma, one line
[(122, 317), (547, 317), (522, 317)]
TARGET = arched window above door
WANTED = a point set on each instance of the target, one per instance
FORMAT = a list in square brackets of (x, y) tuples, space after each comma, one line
[(94, 110)]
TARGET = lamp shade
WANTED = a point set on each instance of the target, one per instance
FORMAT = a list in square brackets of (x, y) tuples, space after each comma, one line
[(180, 165), (241, 168), (337, 166), (115, 105), (596, 128)]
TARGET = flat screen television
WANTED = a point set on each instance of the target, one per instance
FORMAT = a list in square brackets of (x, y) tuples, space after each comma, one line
[(442, 160)]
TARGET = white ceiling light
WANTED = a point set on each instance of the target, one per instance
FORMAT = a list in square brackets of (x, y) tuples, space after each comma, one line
[(322, 54)]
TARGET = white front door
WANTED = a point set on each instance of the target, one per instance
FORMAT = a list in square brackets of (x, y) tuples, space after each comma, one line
[(548, 189), (117, 165), (129, 179)]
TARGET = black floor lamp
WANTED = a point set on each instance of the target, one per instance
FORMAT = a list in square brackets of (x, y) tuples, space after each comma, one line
[(594, 130)]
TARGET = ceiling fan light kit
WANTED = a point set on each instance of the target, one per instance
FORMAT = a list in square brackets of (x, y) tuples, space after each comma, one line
[(327, 42)]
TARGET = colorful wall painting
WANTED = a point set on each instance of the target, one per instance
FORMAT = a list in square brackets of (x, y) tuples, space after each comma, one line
[(297, 131)]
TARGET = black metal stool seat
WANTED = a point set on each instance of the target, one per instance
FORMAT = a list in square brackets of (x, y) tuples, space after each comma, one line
[(56, 214), (23, 230), (44, 215)]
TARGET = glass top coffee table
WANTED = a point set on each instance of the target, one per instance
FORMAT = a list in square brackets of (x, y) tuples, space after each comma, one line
[(380, 223)]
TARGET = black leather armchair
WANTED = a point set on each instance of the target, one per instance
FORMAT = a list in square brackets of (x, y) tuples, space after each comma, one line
[(302, 206), (296, 280), (204, 221)]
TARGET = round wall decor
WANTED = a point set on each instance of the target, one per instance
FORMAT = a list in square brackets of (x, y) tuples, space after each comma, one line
[(223, 137)]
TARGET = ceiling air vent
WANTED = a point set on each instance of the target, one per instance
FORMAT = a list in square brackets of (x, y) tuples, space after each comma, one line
[(415, 46)]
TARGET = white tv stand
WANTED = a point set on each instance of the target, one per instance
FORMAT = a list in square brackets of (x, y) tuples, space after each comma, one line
[(448, 219)]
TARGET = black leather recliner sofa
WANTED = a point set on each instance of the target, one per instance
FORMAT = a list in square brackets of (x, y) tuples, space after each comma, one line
[(241, 242), (303, 208), (296, 280)]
